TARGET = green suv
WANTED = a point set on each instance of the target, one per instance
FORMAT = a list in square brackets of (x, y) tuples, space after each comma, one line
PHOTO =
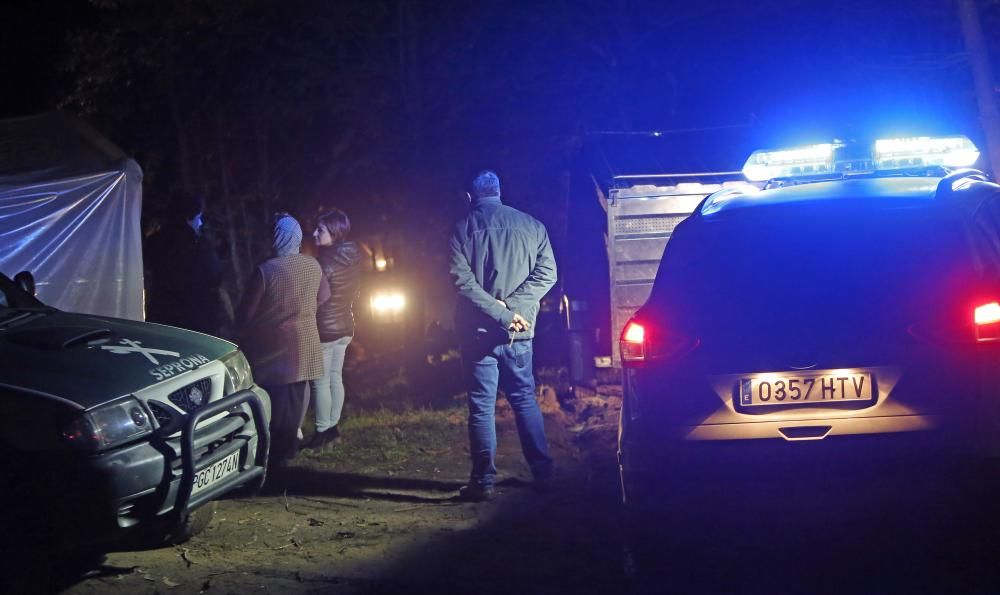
[(113, 429)]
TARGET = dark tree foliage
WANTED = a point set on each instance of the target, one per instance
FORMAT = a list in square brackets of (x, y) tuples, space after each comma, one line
[(259, 105), (385, 107)]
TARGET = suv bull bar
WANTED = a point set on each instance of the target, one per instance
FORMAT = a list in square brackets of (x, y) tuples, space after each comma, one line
[(184, 502)]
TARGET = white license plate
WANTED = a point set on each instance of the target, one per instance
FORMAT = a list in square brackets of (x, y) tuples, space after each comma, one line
[(216, 472), (800, 388)]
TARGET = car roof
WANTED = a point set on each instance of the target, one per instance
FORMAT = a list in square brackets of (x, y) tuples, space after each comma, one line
[(897, 205), (851, 190)]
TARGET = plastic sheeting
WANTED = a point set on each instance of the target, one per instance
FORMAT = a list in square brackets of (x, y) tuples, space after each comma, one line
[(70, 205)]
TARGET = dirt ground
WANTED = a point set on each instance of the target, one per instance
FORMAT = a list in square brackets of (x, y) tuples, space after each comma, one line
[(376, 512)]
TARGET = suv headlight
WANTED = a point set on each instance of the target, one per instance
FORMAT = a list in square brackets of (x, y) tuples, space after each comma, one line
[(109, 425), (238, 375)]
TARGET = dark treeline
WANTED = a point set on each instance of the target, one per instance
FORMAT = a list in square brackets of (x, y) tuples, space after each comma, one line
[(385, 107)]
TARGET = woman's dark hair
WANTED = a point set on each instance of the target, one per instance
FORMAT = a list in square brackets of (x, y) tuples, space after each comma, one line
[(336, 222)]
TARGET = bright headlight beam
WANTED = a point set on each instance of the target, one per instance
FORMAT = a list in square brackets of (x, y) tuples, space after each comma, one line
[(388, 302)]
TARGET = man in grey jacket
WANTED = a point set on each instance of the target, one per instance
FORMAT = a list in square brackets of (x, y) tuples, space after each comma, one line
[(501, 265)]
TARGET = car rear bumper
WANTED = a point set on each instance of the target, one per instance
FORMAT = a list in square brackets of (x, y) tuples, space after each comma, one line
[(653, 469), (671, 416), (151, 482), (811, 430)]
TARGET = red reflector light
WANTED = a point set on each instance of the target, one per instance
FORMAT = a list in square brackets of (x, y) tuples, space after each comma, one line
[(633, 342), (987, 319)]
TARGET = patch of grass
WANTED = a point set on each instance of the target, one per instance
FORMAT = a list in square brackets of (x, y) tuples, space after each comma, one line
[(383, 436), (405, 382), (385, 387)]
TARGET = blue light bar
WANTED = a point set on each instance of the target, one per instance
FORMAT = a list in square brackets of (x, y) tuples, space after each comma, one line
[(918, 153), (924, 151), (786, 163)]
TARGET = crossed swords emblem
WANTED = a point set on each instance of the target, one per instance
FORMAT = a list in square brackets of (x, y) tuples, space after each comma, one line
[(130, 346)]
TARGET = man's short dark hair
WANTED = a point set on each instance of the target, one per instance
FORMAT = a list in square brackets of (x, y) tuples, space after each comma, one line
[(336, 222), (486, 183)]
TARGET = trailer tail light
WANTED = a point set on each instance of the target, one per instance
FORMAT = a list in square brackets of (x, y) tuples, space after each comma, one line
[(633, 342), (987, 318)]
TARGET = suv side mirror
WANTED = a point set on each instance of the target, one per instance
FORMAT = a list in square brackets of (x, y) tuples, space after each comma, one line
[(26, 281)]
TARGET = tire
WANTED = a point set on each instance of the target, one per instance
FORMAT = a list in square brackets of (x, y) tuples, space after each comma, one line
[(194, 523), (163, 534), (648, 523), (643, 562)]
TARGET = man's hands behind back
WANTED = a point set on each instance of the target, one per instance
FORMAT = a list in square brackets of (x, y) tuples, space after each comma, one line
[(519, 324)]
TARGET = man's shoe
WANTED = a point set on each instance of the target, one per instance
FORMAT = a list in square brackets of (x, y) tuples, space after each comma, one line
[(476, 493)]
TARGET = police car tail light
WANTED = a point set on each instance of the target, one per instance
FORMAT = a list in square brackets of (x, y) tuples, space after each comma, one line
[(786, 163), (924, 151), (987, 319), (108, 426), (644, 342), (633, 342)]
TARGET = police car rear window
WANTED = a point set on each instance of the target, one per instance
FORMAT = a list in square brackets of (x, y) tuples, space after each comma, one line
[(849, 251)]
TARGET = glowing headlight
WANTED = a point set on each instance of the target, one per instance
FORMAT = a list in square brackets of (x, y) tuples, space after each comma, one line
[(108, 426), (238, 375), (388, 303)]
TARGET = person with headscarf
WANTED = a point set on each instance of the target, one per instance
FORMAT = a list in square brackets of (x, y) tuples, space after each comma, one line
[(276, 322)]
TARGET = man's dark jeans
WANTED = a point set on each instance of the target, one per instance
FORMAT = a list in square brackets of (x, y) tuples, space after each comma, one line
[(510, 367)]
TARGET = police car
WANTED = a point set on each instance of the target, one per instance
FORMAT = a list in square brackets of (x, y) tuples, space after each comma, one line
[(114, 429), (845, 306)]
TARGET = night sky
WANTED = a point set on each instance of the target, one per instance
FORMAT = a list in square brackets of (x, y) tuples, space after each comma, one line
[(385, 108)]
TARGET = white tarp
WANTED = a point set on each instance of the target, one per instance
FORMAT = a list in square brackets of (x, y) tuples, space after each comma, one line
[(70, 205)]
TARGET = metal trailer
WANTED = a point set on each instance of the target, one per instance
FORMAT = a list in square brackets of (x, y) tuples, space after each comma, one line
[(642, 213), (630, 190)]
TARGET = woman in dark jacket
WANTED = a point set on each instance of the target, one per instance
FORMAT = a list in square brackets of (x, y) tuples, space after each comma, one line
[(341, 262)]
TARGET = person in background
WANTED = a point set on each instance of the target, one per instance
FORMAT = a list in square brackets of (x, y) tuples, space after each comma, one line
[(501, 266), (340, 259), (186, 269), (276, 322)]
